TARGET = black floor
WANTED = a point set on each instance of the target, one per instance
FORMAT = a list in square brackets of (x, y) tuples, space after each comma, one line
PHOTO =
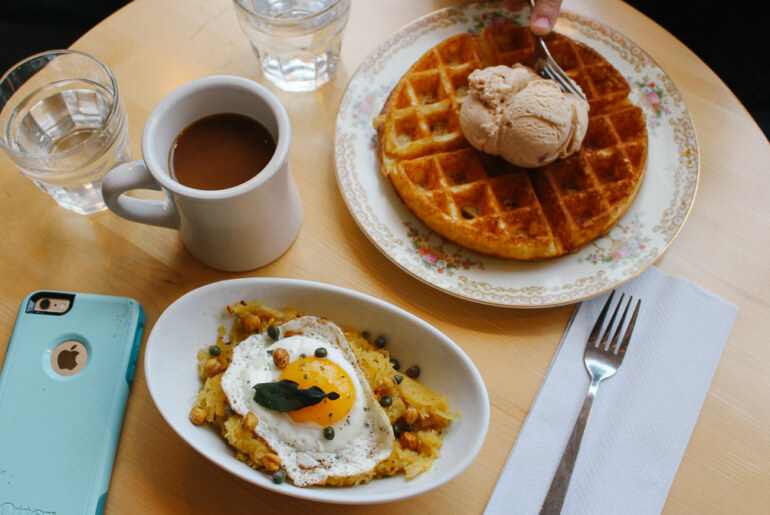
[(732, 39)]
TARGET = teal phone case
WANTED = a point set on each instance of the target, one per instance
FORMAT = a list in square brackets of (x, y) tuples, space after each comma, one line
[(59, 434)]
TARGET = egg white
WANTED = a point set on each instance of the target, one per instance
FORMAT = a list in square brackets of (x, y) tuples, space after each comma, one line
[(362, 439)]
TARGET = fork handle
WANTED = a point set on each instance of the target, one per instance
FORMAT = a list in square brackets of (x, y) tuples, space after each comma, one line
[(554, 500)]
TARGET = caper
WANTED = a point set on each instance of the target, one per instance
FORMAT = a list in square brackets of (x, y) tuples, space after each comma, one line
[(273, 332), (366, 335), (396, 430), (229, 410), (413, 371), (329, 433), (398, 378), (386, 401), (406, 428), (214, 350), (320, 352), (380, 341), (279, 476), (395, 364)]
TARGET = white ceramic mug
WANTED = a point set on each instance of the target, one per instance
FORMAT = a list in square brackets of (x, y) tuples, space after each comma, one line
[(234, 229)]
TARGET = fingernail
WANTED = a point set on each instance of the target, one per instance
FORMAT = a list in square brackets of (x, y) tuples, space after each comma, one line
[(541, 26)]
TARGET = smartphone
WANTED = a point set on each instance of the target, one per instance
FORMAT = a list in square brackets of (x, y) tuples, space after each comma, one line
[(63, 391)]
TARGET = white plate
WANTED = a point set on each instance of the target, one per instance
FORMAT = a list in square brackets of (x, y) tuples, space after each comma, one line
[(191, 323), (640, 237)]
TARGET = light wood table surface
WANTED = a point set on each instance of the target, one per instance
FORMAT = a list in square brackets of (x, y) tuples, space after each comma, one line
[(154, 46)]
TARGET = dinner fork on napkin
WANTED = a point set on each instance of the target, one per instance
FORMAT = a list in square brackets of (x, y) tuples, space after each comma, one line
[(642, 423), (603, 356)]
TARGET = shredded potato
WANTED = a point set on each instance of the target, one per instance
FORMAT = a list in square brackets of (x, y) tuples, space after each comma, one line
[(433, 408)]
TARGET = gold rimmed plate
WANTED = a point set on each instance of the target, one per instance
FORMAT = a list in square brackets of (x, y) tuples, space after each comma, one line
[(639, 238)]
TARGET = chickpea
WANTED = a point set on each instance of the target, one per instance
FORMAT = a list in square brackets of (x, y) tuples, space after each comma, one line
[(197, 415), (212, 367), (408, 440), (271, 462), (251, 323), (250, 422), (411, 415), (281, 358)]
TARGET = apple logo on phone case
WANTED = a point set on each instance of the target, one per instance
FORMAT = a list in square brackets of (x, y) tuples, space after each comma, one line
[(69, 358)]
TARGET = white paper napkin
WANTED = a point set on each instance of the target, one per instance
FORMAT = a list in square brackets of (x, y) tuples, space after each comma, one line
[(642, 417)]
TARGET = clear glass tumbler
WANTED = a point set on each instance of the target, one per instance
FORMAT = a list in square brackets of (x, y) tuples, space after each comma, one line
[(297, 42), (63, 125)]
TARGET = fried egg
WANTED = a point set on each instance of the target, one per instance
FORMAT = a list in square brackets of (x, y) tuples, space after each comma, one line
[(363, 435)]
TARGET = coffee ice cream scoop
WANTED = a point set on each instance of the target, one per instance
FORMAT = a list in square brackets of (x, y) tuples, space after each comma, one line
[(514, 113)]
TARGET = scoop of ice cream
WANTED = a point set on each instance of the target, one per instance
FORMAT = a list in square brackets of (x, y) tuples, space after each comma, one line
[(541, 124), (527, 120), (490, 89)]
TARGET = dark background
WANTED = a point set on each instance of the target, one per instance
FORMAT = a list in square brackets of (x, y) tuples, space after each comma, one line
[(732, 38)]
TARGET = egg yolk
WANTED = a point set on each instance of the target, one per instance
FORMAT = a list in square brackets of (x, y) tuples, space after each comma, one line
[(329, 377)]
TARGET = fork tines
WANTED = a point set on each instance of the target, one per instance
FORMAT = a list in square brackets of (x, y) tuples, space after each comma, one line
[(547, 66), (604, 341)]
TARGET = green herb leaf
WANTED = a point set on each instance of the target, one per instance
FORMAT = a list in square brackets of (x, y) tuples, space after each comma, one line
[(286, 395)]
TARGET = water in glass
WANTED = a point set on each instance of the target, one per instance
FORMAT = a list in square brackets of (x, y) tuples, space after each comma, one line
[(297, 42)]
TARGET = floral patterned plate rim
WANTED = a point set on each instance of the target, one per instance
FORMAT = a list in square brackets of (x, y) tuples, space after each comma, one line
[(640, 237)]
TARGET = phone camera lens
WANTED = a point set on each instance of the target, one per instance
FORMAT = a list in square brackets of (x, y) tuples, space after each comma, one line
[(45, 304)]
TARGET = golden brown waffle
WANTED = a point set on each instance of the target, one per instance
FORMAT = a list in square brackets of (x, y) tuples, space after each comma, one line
[(484, 203)]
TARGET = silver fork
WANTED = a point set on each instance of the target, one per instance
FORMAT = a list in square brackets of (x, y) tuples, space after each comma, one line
[(602, 359), (547, 67)]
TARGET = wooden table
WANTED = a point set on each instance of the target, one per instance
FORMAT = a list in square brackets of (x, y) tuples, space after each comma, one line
[(154, 46)]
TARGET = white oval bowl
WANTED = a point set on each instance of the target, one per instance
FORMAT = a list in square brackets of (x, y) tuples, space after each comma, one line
[(191, 323)]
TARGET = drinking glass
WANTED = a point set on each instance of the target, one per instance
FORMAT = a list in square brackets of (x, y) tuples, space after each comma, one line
[(62, 123), (297, 42)]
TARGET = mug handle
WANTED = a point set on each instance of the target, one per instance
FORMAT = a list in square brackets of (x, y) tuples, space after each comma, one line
[(136, 176)]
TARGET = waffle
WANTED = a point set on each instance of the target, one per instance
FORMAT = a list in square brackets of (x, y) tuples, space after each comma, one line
[(484, 203)]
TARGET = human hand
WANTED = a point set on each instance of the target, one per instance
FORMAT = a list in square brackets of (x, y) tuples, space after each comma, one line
[(543, 15)]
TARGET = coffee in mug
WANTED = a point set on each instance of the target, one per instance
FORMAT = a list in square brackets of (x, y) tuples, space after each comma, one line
[(224, 227), (220, 151)]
